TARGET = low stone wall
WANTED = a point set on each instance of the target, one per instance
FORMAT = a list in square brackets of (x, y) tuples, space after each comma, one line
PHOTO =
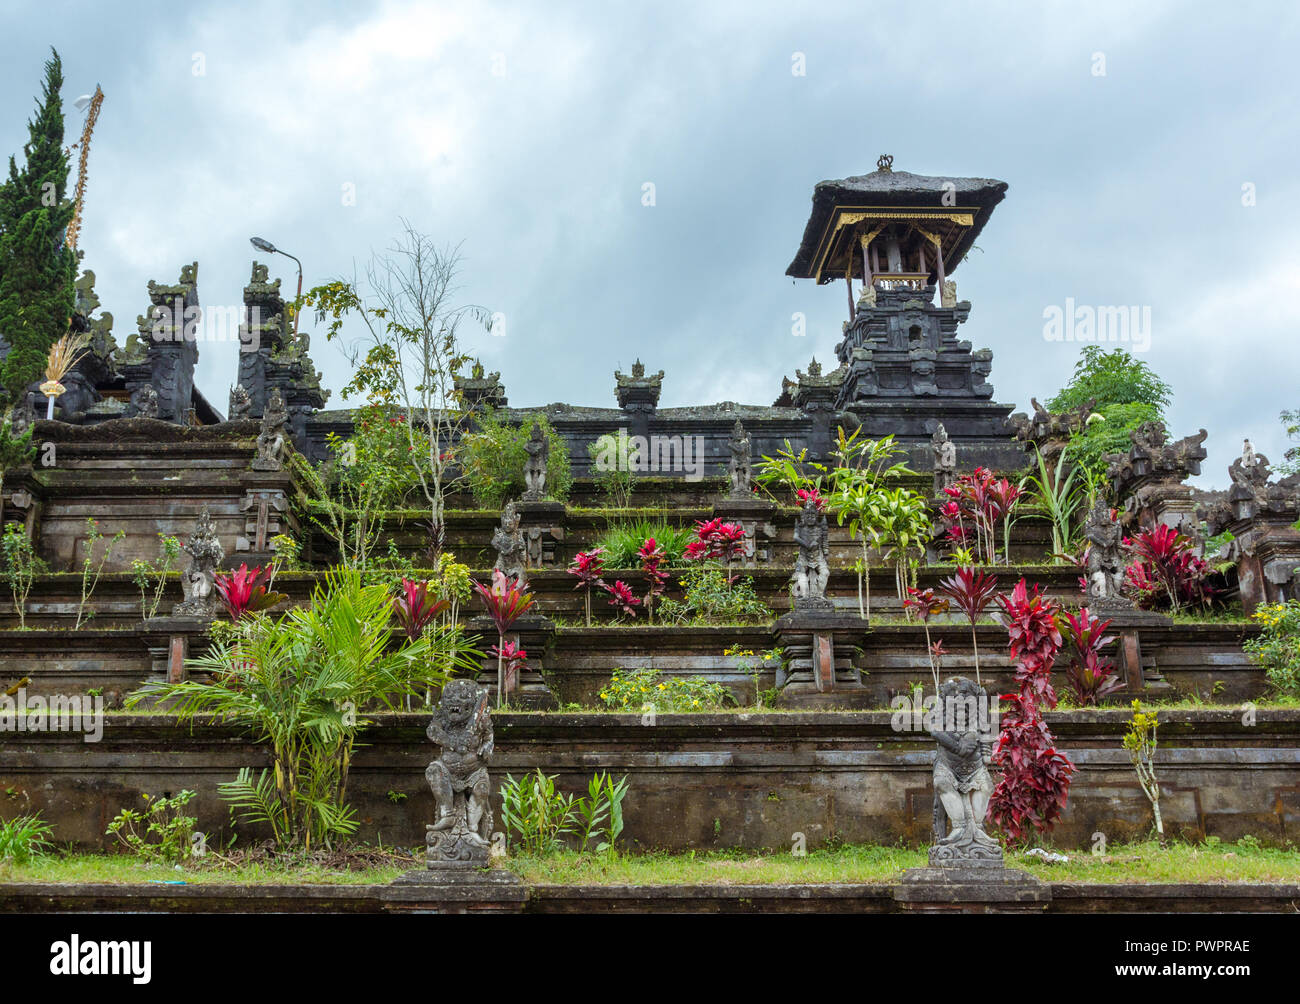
[(696, 781)]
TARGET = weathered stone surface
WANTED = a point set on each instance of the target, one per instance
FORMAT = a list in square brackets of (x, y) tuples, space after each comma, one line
[(460, 837)]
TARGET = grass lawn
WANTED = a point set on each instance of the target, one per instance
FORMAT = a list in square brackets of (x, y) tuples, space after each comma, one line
[(863, 863)]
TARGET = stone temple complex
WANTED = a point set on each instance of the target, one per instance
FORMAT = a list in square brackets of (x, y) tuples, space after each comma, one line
[(831, 624)]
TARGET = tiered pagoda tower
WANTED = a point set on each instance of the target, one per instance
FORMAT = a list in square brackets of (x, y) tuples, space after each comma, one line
[(903, 369)]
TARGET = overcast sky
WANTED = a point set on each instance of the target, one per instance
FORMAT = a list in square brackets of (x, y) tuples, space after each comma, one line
[(1132, 136)]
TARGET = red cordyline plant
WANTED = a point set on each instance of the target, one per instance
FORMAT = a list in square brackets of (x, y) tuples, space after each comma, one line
[(924, 604), (652, 566), (588, 567), (415, 609), (1090, 674), (716, 539), (805, 494), (622, 598), (506, 600), (245, 592), (972, 591), (1035, 775), (512, 658), (1167, 568), (977, 503)]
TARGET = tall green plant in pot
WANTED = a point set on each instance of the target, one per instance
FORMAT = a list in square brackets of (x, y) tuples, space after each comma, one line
[(302, 684)]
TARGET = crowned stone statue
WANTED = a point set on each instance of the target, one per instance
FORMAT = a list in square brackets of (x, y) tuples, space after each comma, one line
[(199, 580), (510, 545), (945, 459), (738, 468), (1106, 559), (272, 439), (812, 566), (538, 450)]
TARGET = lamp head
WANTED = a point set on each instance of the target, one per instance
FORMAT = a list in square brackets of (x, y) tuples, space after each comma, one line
[(262, 245)]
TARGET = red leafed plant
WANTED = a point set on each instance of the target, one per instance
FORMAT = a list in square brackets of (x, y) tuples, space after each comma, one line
[(1167, 569), (1035, 775), (652, 566), (244, 592), (587, 567), (716, 539), (415, 609), (622, 598), (972, 591), (512, 658), (924, 604), (506, 600), (806, 494), (978, 502), (1090, 674)]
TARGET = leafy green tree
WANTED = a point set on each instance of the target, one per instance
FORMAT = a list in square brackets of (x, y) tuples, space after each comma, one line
[(37, 269), (1124, 391), (1291, 459)]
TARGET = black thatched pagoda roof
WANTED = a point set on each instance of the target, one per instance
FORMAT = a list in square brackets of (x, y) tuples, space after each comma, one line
[(888, 189)]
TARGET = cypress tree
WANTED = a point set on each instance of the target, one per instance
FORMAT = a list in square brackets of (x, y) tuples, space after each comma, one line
[(37, 269)]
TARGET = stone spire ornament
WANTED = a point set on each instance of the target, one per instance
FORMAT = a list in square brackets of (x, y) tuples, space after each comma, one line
[(199, 580)]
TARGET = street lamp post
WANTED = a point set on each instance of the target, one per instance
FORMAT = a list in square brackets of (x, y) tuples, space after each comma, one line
[(269, 248)]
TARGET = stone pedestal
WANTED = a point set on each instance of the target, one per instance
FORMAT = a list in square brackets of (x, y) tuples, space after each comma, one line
[(267, 513), (542, 524), (472, 890), (170, 641), (971, 888), (1127, 623), (528, 689), (755, 515), (820, 645)]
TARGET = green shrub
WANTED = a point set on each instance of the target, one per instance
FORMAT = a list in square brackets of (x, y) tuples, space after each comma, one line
[(1277, 649), (711, 598), (24, 838), (539, 816), (493, 456), (162, 818), (613, 459), (639, 689), (623, 542)]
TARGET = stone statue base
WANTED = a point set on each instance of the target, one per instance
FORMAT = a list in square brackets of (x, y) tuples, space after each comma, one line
[(971, 889), (473, 890), (457, 848), (820, 645)]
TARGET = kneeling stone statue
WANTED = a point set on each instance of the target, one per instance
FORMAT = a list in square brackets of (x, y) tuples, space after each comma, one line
[(460, 837)]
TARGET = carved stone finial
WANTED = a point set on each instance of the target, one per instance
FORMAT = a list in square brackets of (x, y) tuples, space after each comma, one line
[(460, 836), (885, 163)]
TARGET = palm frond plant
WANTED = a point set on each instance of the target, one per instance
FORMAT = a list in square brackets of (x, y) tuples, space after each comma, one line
[(301, 684)]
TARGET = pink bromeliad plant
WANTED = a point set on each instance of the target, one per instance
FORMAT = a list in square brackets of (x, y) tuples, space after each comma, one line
[(506, 600), (587, 568), (415, 609), (245, 592)]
